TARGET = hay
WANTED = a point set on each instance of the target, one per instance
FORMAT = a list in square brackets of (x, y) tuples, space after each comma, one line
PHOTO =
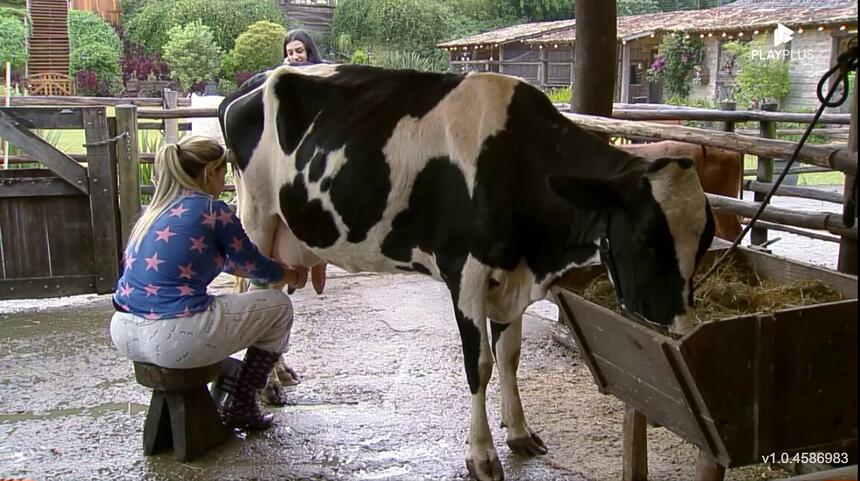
[(733, 290)]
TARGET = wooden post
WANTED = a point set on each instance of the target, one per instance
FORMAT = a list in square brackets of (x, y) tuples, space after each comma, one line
[(764, 170), (543, 70), (128, 168), (171, 126), (625, 73), (848, 247), (707, 469), (634, 446), (595, 53), (728, 106), (103, 198)]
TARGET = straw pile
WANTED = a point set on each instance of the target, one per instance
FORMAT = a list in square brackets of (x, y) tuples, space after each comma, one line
[(734, 289)]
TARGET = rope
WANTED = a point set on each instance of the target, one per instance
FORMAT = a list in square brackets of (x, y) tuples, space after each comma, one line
[(111, 140), (847, 62)]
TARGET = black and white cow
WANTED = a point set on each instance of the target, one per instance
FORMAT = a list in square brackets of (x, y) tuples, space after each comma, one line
[(475, 180)]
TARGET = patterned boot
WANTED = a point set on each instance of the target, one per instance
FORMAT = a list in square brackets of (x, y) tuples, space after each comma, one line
[(241, 409)]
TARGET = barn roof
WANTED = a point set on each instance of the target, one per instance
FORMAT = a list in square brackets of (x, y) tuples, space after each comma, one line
[(757, 15), (721, 19), (510, 34)]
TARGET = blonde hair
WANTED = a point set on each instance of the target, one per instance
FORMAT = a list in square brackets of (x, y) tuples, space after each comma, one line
[(177, 166)]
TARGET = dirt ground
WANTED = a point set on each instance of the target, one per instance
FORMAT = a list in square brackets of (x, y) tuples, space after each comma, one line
[(383, 397)]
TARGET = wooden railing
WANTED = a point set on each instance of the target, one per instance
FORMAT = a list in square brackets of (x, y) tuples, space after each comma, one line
[(840, 158)]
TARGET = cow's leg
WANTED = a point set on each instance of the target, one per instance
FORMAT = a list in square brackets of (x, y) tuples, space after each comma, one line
[(470, 310), (507, 339)]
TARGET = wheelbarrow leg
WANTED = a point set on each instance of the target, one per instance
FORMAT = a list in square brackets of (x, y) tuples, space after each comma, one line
[(707, 469), (634, 454)]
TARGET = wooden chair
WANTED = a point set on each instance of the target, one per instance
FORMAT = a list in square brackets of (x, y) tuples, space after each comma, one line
[(182, 414)]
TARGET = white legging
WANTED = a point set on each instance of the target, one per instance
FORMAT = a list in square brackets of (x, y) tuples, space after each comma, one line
[(259, 318)]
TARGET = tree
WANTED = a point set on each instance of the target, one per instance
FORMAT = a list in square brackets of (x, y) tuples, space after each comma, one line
[(13, 47), (192, 54), (150, 25), (258, 48), (636, 7), (409, 25)]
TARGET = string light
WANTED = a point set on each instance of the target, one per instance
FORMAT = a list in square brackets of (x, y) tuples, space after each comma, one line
[(800, 30), (741, 34), (755, 32), (701, 35), (843, 28), (724, 34), (654, 35), (710, 34), (821, 28)]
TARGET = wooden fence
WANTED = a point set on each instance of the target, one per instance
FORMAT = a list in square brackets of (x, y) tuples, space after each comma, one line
[(134, 115)]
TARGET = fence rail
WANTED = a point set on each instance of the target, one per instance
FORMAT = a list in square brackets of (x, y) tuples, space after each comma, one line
[(635, 121)]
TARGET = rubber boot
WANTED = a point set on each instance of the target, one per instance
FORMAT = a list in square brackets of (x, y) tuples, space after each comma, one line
[(241, 408)]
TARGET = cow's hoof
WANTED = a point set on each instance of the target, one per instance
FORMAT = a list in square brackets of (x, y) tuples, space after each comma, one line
[(531, 444), (486, 470), (273, 395), (287, 375)]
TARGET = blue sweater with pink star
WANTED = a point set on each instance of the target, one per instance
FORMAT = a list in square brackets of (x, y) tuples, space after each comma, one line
[(193, 241)]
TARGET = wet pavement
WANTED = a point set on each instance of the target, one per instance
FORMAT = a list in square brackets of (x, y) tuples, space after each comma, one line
[(383, 397)]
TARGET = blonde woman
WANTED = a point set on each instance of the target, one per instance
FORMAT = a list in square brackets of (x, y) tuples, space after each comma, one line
[(179, 245)]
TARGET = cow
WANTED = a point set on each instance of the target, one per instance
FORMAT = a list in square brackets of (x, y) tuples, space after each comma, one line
[(720, 172), (475, 180)]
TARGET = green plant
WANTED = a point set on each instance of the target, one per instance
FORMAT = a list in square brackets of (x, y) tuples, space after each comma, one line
[(88, 28), (678, 56), (13, 46), (762, 78), (100, 59), (50, 136), (398, 59), (95, 49), (149, 24), (559, 95), (258, 48), (360, 57), (406, 25), (192, 54)]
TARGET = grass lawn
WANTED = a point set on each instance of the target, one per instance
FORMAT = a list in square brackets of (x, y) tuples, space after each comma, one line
[(823, 178)]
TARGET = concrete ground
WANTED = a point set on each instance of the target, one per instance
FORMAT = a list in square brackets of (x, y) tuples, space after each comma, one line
[(383, 397)]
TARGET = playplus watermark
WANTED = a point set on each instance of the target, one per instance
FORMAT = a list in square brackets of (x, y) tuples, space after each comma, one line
[(782, 38)]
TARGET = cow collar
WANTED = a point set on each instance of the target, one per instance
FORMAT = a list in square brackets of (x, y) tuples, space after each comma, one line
[(608, 260)]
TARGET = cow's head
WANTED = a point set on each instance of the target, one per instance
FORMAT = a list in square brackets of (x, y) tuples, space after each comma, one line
[(658, 224)]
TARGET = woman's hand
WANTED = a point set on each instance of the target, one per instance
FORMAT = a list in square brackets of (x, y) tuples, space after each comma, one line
[(295, 277)]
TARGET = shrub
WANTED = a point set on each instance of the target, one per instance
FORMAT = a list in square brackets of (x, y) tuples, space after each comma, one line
[(360, 57), (13, 46), (399, 59), (192, 54), (675, 64), (760, 79), (259, 48), (407, 25), (142, 66), (100, 59), (88, 28), (150, 24), (95, 48)]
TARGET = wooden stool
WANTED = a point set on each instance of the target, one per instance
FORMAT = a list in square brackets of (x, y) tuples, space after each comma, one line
[(181, 413)]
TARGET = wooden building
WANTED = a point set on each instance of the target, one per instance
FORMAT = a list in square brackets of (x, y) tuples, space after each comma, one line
[(543, 54), (110, 10)]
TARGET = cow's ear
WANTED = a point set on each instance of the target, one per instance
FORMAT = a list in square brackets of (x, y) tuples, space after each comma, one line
[(588, 193)]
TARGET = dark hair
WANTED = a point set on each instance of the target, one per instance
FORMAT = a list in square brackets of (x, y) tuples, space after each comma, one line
[(310, 46)]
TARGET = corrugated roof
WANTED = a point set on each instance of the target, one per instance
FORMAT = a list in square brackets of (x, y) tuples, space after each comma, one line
[(727, 18), (730, 17), (510, 34)]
